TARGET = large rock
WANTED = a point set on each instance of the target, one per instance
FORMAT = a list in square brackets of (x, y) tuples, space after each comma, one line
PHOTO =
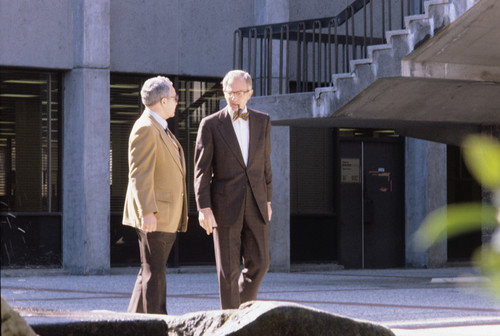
[(260, 318), (12, 323), (271, 318)]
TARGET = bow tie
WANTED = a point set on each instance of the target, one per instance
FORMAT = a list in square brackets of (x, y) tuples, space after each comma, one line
[(243, 115)]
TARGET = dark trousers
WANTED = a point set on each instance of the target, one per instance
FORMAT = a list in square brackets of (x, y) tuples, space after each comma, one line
[(150, 292), (249, 236)]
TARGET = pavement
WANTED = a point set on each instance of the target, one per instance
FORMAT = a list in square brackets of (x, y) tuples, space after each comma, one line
[(411, 302)]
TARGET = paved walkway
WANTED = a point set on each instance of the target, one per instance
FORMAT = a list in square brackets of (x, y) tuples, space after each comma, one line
[(448, 301)]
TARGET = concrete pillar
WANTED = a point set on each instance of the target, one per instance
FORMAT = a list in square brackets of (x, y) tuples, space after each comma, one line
[(274, 11), (86, 134), (279, 229), (268, 12), (271, 11), (425, 191)]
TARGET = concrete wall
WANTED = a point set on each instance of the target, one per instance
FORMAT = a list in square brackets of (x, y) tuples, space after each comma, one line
[(36, 34), (312, 9), (156, 36), (176, 37)]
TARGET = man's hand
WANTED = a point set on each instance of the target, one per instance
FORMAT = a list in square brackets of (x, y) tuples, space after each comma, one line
[(207, 220), (269, 210), (148, 223)]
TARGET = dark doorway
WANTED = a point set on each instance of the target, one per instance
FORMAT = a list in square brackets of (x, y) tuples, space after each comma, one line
[(371, 203), (312, 175), (462, 187)]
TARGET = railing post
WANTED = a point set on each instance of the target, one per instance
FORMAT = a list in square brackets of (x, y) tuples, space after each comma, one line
[(236, 39), (346, 45), (284, 29), (389, 10), (383, 20), (316, 24), (299, 58), (252, 32), (313, 44), (336, 47), (365, 43), (402, 14), (262, 65), (249, 51), (371, 22), (270, 61), (353, 41)]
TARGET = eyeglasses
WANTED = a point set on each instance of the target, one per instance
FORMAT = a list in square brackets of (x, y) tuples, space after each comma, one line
[(176, 97), (237, 94)]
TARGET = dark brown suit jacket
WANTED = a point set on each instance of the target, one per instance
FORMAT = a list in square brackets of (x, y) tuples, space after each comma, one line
[(221, 177)]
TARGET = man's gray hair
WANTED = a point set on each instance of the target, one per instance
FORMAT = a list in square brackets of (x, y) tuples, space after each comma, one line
[(154, 89), (235, 74)]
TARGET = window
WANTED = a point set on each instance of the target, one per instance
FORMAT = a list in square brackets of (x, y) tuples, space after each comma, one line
[(30, 166)]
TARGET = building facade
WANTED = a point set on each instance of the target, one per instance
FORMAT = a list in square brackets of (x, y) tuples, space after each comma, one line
[(70, 75)]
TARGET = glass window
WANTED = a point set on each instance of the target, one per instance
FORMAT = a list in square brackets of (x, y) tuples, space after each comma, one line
[(30, 166), (29, 141)]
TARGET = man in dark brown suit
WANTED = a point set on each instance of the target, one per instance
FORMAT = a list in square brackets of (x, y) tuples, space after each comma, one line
[(233, 190)]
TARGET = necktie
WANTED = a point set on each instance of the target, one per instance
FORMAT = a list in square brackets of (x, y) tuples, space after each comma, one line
[(171, 139), (242, 115)]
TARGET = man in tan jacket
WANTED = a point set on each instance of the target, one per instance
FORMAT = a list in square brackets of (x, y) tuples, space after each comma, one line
[(156, 201)]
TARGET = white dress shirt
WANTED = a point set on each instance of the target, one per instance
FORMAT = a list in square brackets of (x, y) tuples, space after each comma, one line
[(157, 117), (242, 130), (164, 124)]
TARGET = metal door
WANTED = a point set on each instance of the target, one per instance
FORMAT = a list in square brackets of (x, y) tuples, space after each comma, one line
[(371, 206)]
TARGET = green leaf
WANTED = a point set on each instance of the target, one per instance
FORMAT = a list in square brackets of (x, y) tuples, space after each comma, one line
[(482, 157), (488, 260), (454, 220)]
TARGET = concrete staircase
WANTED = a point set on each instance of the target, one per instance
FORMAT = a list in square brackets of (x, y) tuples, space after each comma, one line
[(385, 60), (319, 108)]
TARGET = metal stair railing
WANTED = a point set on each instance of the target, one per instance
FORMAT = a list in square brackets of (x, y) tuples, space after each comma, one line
[(321, 47)]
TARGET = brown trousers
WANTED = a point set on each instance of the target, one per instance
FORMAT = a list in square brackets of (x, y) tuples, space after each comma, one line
[(249, 236), (150, 292)]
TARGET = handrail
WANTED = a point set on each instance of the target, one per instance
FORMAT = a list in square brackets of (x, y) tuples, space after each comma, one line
[(323, 46), (342, 17)]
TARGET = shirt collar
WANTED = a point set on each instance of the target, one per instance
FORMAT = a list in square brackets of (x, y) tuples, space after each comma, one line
[(157, 117)]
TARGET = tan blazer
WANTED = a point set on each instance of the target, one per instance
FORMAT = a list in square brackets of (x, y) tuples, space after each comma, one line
[(157, 177), (221, 177)]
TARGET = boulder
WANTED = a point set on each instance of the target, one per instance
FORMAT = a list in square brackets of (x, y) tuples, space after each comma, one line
[(12, 323), (261, 318), (271, 318)]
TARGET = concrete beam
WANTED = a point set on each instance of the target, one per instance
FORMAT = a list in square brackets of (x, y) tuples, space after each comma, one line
[(424, 99), (466, 49)]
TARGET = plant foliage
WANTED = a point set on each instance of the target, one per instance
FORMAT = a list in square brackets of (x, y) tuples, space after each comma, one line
[(482, 157)]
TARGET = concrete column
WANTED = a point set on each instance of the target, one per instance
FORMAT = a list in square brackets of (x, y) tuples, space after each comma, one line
[(86, 134), (425, 191), (267, 12), (271, 11), (279, 229)]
